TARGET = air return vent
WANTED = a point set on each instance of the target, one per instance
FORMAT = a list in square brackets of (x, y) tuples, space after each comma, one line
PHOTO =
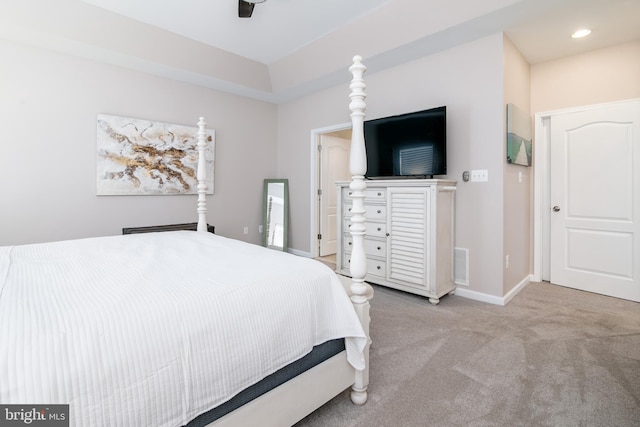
[(461, 266)]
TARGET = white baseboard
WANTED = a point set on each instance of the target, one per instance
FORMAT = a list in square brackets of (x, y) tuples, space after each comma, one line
[(492, 299), (299, 253), (516, 289), (463, 291)]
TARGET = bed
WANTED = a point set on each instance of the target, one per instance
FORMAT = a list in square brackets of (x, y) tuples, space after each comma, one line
[(185, 328)]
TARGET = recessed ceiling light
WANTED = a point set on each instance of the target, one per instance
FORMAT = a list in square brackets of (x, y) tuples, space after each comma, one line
[(581, 33)]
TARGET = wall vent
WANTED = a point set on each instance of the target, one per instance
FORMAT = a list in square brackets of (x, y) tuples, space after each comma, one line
[(461, 266)]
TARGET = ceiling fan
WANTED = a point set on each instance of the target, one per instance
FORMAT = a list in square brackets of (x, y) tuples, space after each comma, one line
[(245, 7)]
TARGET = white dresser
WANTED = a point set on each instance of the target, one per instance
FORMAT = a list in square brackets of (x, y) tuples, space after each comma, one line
[(410, 234)]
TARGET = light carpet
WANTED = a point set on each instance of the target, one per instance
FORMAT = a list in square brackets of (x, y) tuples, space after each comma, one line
[(553, 356)]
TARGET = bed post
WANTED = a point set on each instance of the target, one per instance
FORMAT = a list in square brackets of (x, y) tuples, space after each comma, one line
[(358, 264), (202, 176)]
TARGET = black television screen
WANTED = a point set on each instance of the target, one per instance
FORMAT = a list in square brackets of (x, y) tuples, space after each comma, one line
[(411, 145)]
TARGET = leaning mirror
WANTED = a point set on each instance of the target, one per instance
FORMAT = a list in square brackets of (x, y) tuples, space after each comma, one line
[(276, 214)]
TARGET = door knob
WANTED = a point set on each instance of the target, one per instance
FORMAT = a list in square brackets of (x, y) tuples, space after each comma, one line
[(556, 209)]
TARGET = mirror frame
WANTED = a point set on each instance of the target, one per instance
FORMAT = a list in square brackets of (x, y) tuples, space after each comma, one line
[(285, 231)]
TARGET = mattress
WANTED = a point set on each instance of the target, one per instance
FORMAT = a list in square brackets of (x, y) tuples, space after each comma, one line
[(319, 354), (158, 328)]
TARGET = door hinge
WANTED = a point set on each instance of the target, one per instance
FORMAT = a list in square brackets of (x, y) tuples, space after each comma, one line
[(319, 191), (319, 147), (319, 236)]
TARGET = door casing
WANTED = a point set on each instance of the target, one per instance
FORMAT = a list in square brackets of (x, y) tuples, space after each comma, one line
[(314, 225)]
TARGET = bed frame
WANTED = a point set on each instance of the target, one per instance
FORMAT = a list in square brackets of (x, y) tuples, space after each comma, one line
[(189, 226), (298, 397)]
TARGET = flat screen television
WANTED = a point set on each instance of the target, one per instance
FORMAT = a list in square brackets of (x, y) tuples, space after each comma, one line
[(411, 145)]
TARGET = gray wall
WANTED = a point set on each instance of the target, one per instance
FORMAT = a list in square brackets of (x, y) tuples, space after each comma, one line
[(518, 180), (603, 75), (467, 79), (48, 108)]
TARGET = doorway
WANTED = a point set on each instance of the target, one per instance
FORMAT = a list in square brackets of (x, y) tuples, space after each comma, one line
[(587, 212), (329, 163)]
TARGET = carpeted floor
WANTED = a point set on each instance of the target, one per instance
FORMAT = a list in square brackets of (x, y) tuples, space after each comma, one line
[(552, 357)]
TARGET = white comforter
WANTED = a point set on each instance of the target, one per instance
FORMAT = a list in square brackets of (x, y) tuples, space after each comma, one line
[(154, 329)]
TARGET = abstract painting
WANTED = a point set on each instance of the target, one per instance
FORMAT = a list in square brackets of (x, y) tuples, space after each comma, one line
[(518, 136), (143, 157)]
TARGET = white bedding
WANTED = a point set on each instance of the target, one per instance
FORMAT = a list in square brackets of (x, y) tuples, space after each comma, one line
[(154, 329)]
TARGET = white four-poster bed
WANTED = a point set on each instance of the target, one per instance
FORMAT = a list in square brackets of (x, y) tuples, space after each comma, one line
[(133, 345)]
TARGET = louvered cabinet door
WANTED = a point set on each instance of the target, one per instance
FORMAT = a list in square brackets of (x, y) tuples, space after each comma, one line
[(409, 236)]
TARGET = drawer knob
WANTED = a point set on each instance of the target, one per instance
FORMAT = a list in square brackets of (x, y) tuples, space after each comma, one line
[(378, 247), (379, 194), (379, 211), (378, 267), (379, 229), (349, 243)]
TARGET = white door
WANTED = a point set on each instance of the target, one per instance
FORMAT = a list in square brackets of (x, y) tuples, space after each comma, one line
[(334, 166), (595, 200)]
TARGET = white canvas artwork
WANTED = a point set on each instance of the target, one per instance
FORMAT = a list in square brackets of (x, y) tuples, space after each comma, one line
[(143, 157)]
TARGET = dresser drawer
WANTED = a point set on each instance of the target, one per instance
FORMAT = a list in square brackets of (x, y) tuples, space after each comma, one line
[(378, 212), (371, 247), (370, 194), (375, 194), (375, 267), (374, 229)]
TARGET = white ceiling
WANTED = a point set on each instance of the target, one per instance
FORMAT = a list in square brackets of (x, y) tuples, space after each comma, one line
[(278, 28)]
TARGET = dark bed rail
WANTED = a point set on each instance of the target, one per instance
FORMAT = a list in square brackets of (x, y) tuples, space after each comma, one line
[(190, 226)]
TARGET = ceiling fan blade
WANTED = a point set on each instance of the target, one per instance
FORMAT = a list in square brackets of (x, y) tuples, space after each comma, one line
[(245, 9)]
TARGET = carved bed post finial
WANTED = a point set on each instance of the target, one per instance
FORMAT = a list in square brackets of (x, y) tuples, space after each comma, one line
[(358, 264), (202, 176)]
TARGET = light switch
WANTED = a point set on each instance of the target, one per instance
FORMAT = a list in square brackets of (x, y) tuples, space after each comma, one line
[(479, 175)]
